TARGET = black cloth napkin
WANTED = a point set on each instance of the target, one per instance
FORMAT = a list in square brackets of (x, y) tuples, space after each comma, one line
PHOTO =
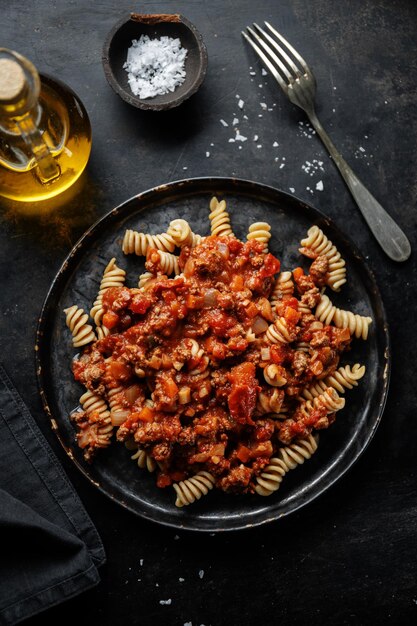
[(49, 547)]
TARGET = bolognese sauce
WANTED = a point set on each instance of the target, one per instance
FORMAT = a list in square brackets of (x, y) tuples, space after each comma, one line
[(187, 357)]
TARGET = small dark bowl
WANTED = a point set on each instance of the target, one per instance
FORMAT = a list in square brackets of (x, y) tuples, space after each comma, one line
[(120, 39)]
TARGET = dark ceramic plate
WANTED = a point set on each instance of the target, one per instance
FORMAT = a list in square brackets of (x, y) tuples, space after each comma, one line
[(113, 472)]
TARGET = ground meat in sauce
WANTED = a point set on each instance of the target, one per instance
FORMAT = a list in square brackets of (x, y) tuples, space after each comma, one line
[(188, 368)]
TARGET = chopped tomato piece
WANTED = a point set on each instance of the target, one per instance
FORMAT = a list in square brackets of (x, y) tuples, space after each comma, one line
[(297, 273), (144, 415), (291, 315), (243, 453), (251, 310), (271, 266), (237, 283), (140, 303), (194, 302), (110, 319), (242, 398), (170, 387)]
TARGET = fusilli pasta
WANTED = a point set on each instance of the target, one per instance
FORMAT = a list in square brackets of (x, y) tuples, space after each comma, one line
[(113, 276), (261, 232), (76, 320), (219, 218), (287, 459), (144, 460), (182, 235), (358, 325), (344, 378), (317, 241), (138, 243), (192, 489)]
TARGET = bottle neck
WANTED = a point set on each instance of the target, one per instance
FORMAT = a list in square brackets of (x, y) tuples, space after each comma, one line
[(19, 108)]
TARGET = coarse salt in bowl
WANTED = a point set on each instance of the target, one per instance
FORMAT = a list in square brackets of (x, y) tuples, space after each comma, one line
[(154, 62)]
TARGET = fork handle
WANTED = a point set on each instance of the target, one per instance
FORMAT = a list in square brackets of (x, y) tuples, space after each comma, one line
[(389, 235)]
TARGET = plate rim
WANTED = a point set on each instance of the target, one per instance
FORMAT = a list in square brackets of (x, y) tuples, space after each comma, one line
[(193, 187)]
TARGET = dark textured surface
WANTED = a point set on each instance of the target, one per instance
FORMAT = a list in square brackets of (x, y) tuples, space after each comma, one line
[(350, 557)]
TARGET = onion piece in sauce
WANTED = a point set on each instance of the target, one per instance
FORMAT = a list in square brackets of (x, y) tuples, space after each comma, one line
[(259, 325)]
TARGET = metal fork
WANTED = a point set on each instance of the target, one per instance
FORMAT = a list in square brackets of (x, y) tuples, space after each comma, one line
[(299, 85)]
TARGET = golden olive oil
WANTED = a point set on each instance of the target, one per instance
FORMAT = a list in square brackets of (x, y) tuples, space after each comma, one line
[(45, 137)]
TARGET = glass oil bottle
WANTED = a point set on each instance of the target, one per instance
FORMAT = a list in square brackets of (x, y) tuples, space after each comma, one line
[(45, 133)]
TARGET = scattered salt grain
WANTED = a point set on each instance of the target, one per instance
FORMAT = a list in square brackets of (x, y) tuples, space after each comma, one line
[(245, 117), (260, 115), (292, 191), (241, 104), (224, 123), (188, 624), (231, 140), (264, 72), (260, 86), (155, 66), (252, 73), (201, 573), (275, 144), (240, 137), (141, 562), (264, 106), (235, 121), (207, 154), (255, 137), (181, 580), (281, 166), (361, 149), (169, 601), (185, 168), (320, 186)]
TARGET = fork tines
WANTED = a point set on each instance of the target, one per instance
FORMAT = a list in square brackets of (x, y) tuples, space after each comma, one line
[(278, 61)]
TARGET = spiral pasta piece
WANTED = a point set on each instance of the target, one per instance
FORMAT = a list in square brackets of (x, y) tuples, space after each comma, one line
[(138, 243), (270, 479), (298, 452), (319, 244), (278, 332), (144, 460), (273, 376), (92, 403), (201, 367), (269, 402), (329, 399), (76, 320), (114, 398), (288, 458), (113, 276), (284, 286), (325, 310), (358, 325), (261, 232), (168, 263), (345, 377), (144, 279), (182, 235), (219, 218), (192, 489)]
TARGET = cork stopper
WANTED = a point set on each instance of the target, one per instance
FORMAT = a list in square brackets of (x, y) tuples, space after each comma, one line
[(12, 80)]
